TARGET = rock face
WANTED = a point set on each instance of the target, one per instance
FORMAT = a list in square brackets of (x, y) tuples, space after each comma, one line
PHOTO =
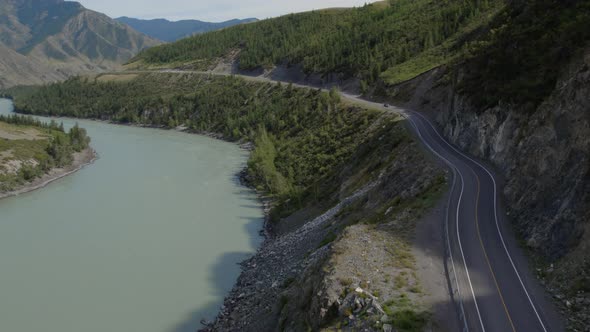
[(52, 39), (544, 155)]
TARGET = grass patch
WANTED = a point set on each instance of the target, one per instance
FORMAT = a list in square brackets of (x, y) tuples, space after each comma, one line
[(346, 282), (404, 316), (24, 149), (409, 320), (401, 281), (416, 289)]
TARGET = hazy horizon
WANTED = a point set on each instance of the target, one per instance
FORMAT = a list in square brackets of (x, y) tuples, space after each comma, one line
[(217, 11)]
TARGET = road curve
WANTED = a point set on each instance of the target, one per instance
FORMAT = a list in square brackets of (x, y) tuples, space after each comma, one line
[(489, 276), (488, 273)]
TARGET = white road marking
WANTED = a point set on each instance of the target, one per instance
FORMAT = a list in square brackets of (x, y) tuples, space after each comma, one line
[(457, 224), (496, 219)]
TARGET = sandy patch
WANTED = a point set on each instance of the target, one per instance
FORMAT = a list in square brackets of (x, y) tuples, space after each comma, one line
[(11, 132)]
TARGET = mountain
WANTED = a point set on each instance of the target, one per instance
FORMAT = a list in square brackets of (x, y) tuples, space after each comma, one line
[(16, 68), (46, 40), (172, 31)]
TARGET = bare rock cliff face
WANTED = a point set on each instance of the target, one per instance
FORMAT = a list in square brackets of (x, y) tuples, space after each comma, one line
[(544, 156)]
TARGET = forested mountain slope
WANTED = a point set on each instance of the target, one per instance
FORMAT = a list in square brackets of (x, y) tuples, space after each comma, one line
[(507, 80), (55, 38), (170, 31), (397, 39)]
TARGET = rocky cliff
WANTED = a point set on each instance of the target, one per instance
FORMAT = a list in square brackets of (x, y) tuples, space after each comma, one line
[(543, 152)]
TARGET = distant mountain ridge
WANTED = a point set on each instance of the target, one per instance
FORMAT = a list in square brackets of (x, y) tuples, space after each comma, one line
[(170, 31), (46, 40)]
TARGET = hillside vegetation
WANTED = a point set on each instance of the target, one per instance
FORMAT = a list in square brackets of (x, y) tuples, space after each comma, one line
[(400, 38), (30, 148), (528, 43), (300, 135), (511, 48)]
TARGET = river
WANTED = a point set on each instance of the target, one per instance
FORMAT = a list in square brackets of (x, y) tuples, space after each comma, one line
[(145, 239)]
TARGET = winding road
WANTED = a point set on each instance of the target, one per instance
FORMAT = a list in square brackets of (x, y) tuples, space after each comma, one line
[(488, 274)]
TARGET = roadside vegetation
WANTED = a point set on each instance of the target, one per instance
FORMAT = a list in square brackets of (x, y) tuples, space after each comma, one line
[(30, 148)]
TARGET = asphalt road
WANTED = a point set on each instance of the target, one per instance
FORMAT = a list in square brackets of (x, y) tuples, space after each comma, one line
[(489, 275)]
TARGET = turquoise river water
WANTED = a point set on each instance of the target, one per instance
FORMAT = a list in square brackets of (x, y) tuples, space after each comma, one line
[(146, 239)]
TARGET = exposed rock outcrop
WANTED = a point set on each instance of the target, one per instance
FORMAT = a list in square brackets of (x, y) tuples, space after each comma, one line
[(543, 152)]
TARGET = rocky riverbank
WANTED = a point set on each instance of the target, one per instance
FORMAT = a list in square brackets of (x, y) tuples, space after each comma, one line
[(81, 159), (349, 261)]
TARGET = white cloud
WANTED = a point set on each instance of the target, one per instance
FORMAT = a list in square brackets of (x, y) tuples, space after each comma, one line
[(211, 10)]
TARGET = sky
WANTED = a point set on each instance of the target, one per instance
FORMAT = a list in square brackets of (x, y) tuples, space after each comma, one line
[(211, 10)]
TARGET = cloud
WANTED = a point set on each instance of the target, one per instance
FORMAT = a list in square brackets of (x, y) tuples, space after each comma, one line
[(211, 10)]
